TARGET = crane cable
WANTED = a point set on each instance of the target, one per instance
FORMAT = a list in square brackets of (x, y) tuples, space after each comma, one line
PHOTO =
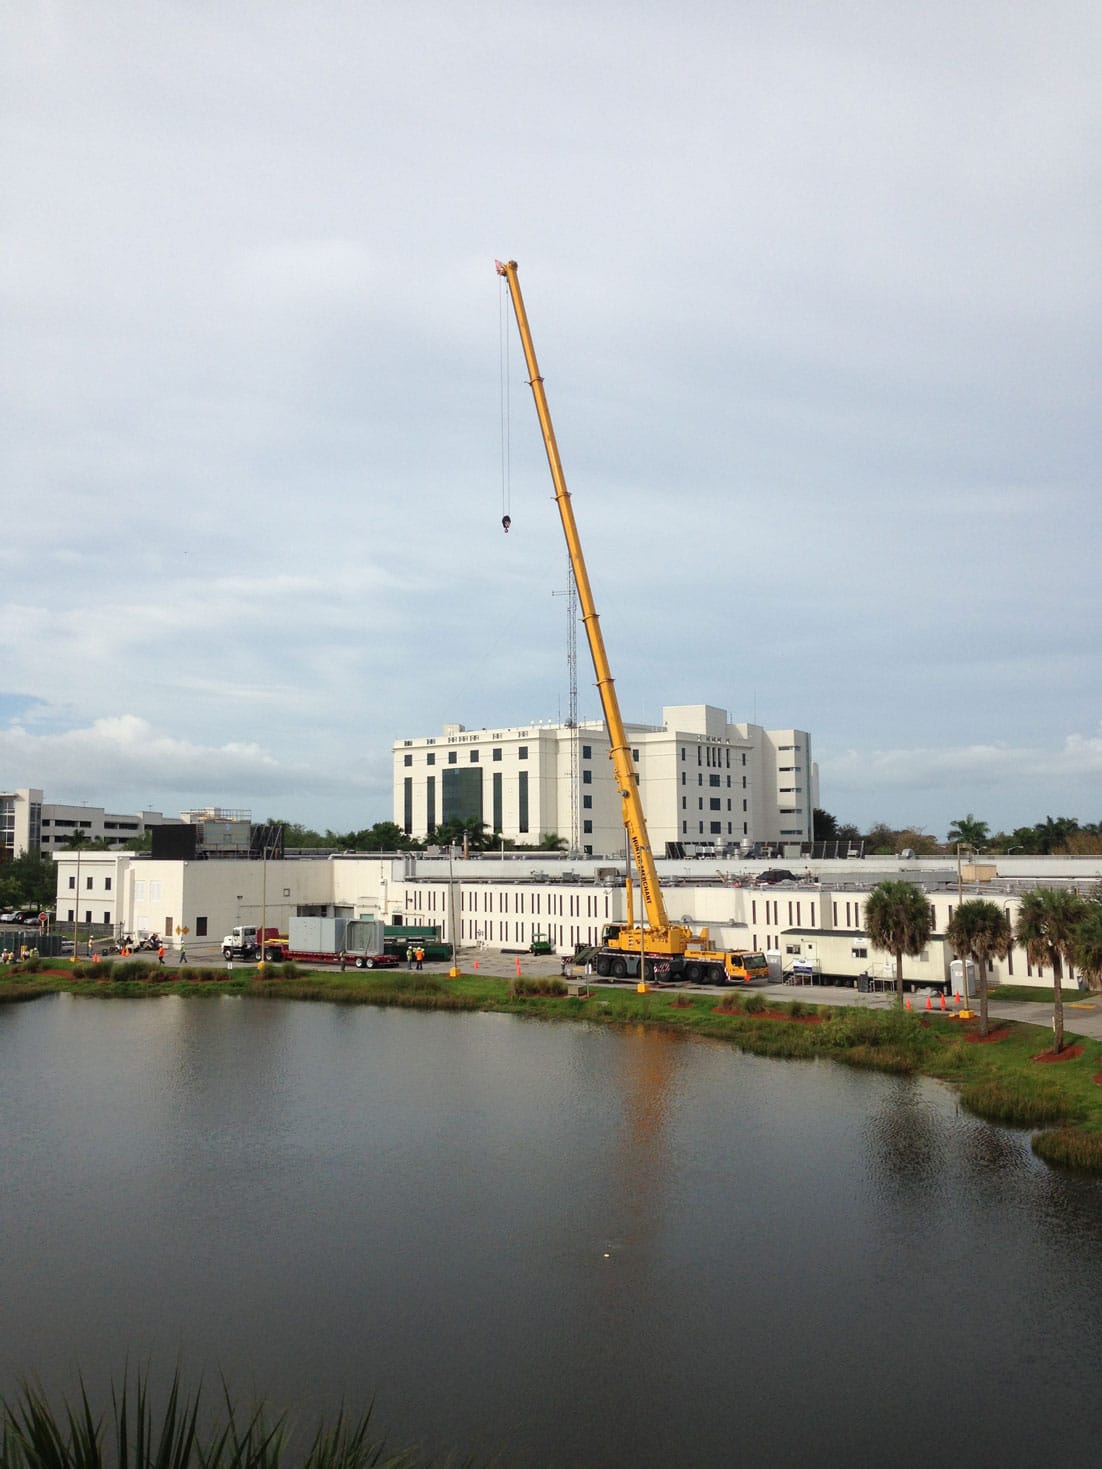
[(503, 369)]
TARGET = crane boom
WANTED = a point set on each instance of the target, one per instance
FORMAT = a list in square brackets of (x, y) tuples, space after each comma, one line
[(662, 938)]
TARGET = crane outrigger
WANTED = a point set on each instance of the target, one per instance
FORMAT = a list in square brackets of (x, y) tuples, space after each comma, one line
[(656, 947)]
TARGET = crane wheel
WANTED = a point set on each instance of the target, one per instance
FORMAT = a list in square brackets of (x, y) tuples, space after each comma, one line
[(619, 969), (692, 973)]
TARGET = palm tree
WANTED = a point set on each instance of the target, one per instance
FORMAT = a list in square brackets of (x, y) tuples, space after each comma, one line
[(966, 831), (980, 930), (1048, 921), (898, 918), (1088, 946)]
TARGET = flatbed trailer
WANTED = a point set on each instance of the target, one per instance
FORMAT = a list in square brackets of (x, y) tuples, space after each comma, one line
[(354, 961)]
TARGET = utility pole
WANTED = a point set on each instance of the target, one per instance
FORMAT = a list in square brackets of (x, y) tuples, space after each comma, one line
[(571, 595)]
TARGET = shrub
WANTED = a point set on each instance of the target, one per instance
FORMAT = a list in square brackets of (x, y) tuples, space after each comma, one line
[(183, 1433), (129, 969), (755, 1003), (547, 985)]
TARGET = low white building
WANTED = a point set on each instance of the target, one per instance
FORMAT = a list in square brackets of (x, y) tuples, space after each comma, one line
[(704, 782), (504, 903)]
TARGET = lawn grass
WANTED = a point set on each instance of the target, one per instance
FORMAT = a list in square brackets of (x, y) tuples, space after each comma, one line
[(999, 1081)]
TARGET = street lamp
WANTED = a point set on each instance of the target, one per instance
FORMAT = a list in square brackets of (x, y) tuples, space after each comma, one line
[(453, 972), (76, 909)]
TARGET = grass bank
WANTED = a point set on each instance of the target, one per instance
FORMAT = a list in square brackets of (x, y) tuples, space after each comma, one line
[(999, 1079)]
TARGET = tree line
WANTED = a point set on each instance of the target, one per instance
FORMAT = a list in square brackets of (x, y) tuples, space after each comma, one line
[(1055, 836)]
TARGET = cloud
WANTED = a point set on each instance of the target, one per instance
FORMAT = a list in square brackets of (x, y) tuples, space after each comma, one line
[(1078, 757), (814, 291), (125, 762)]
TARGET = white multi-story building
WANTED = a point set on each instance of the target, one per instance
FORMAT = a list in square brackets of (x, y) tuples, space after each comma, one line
[(30, 824), (704, 781)]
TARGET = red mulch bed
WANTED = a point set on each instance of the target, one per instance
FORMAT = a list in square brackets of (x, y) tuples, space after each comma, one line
[(1000, 1033), (1098, 1079), (1069, 1053), (681, 1004)]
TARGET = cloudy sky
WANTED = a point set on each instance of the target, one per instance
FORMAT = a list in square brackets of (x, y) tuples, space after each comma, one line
[(815, 291)]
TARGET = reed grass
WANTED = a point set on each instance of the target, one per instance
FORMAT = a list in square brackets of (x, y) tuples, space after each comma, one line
[(1019, 1101), (1070, 1147)]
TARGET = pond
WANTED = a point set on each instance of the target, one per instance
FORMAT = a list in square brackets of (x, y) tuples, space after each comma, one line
[(561, 1243)]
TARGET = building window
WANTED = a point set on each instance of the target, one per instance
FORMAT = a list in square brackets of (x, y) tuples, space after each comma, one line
[(430, 758), (714, 803), (201, 927), (522, 801), (497, 752), (88, 883), (72, 884), (587, 777), (106, 884), (587, 752), (522, 754), (587, 827), (474, 757), (430, 802), (452, 757), (407, 759), (587, 803), (713, 780)]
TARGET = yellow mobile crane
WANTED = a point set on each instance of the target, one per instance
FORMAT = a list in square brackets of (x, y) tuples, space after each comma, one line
[(655, 947)]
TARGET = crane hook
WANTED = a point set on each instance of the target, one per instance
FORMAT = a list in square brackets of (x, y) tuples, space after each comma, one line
[(506, 522)]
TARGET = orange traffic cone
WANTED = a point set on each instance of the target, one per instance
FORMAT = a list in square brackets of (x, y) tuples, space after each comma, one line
[(907, 1003), (942, 1002), (929, 1004), (476, 963)]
